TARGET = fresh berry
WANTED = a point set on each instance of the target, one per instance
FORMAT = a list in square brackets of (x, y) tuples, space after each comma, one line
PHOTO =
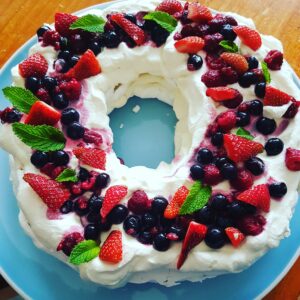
[(32, 83), (75, 131), (255, 107), (78, 44), (174, 205), (170, 6), (102, 180), (260, 89), (235, 236), (277, 189), (194, 236), (248, 36), (42, 30), (118, 214), (205, 156), (212, 42), (197, 172), (215, 238), (198, 13), (265, 126), (95, 46), (93, 157), (228, 33), (212, 175), (252, 62), (176, 233), (158, 205), (35, 65), (252, 225), (235, 102), (214, 62), (92, 137), (218, 202), (59, 101), (51, 38), (275, 97), (242, 119), (66, 207), (238, 209), (194, 62), (91, 232), (205, 215), (274, 146), (220, 94), (292, 159), (291, 111), (10, 115), (274, 60), (49, 83), (60, 158), (81, 206), (148, 220), (95, 203), (213, 78), (69, 115), (236, 61), (132, 225), (217, 139), (190, 44), (229, 171), (71, 89), (243, 180), (112, 249), (139, 202), (39, 159), (219, 20), (53, 193), (161, 243), (43, 95), (69, 242), (145, 237), (247, 79), (111, 39), (255, 165), (63, 22), (221, 161), (227, 120)]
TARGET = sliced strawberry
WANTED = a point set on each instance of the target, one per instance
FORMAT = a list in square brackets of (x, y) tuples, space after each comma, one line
[(194, 236), (235, 236), (240, 149), (135, 32), (190, 44), (172, 210), (292, 159), (63, 22), (42, 113), (220, 94), (170, 6), (35, 65), (248, 36), (93, 157), (86, 67), (275, 97), (257, 196), (53, 193), (198, 12), (113, 196), (112, 249), (236, 61)]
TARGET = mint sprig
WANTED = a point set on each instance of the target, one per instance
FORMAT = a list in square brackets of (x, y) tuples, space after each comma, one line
[(40, 137), (20, 98), (67, 175), (163, 19), (266, 72), (229, 46), (196, 199), (90, 23), (244, 133), (84, 252)]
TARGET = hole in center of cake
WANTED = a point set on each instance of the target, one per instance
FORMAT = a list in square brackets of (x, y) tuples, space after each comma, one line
[(143, 132)]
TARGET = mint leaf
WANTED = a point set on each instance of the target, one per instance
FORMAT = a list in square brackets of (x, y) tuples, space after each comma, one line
[(84, 252), (196, 199), (40, 137), (67, 175), (244, 133), (20, 98), (266, 72), (229, 46), (163, 19), (91, 23)]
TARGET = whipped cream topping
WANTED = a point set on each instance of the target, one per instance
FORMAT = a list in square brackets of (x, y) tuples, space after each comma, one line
[(157, 72)]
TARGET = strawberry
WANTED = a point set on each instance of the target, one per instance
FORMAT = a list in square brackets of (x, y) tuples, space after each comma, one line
[(248, 36), (112, 249), (235, 236), (198, 12), (170, 6), (190, 44), (53, 193), (135, 32), (292, 159), (220, 94), (93, 157), (194, 236), (86, 67), (71, 89), (35, 65), (63, 22), (240, 149), (113, 196), (236, 61), (257, 196), (275, 97), (172, 210), (42, 113)]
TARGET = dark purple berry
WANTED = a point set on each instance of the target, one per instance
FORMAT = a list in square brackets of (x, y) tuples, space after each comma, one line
[(102, 181), (118, 214), (215, 238), (95, 203), (145, 237), (260, 89), (66, 207), (205, 215), (242, 119), (59, 101), (158, 205), (197, 172), (49, 83), (255, 107), (91, 232), (238, 209), (194, 62), (83, 174), (148, 220), (228, 32), (265, 126), (255, 165), (274, 146), (75, 131), (60, 158), (161, 243), (111, 39), (229, 171), (277, 189), (218, 202), (217, 139), (252, 62), (247, 79), (42, 30), (32, 84), (132, 225), (39, 159), (177, 233), (205, 156), (69, 115)]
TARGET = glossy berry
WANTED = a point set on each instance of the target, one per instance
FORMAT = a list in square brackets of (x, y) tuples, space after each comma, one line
[(252, 62), (63, 43), (265, 126), (205, 215), (83, 174), (197, 172), (255, 165), (215, 238), (132, 225), (161, 243), (221, 161), (32, 83), (217, 139), (69, 115), (81, 206), (73, 61), (224, 222), (274, 146), (49, 83), (194, 62), (138, 202), (242, 119), (237, 209), (255, 107), (10, 115), (95, 203), (118, 214), (176, 233), (247, 79), (39, 159), (228, 32), (218, 202), (94, 217), (95, 47), (60, 158), (229, 171), (159, 35), (158, 205), (277, 189), (145, 237), (42, 30), (102, 181), (66, 207), (59, 101), (91, 232), (111, 39), (65, 55), (260, 89), (75, 131), (148, 220), (205, 156)]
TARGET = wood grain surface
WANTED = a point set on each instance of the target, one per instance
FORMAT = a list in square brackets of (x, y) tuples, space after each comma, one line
[(19, 20)]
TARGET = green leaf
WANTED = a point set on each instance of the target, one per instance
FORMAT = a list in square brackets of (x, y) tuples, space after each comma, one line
[(40, 137), (196, 199), (84, 252), (229, 46), (67, 175), (266, 72), (163, 19), (244, 133), (91, 23), (20, 98)]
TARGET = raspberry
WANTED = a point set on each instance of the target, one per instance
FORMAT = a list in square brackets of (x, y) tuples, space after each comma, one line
[(92, 137), (10, 115), (139, 202), (51, 38), (243, 181), (243, 107), (211, 129), (69, 242), (219, 20), (274, 60), (43, 95), (252, 225), (292, 159), (212, 175), (229, 75), (259, 75), (212, 42), (213, 78), (71, 89), (227, 120), (190, 30), (215, 62)]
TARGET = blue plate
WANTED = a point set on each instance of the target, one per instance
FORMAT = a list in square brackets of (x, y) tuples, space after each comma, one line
[(37, 275)]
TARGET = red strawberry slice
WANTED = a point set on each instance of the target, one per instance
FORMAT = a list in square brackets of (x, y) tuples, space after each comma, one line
[(93, 157), (172, 210), (240, 149), (194, 236), (292, 159), (53, 193), (112, 249), (35, 65), (275, 97), (86, 67), (112, 197), (63, 22), (135, 32), (170, 6), (248, 36), (235, 236), (257, 196), (42, 113), (236, 61), (190, 44), (220, 94), (198, 12)]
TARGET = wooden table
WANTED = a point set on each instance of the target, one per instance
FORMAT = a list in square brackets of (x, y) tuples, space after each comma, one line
[(19, 20)]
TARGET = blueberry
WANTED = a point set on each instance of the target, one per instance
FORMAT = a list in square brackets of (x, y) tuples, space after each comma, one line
[(60, 158), (145, 237), (11, 115), (194, 62), (247, 79), (197, 172), (256, 108), (274, 146), (205, 215), (49, 82), (84, 174), (130, 17), (161, 243), (228, 32), (252, 62), (81, 207), (32, 84), (64, 43), (91, 232), (178, 231), (237, 209), (277, 189), (205, 156), (148, 220), (260, 89), (65, 55), (78, 44), (159, 35), (118, 214), (42, 30), (217, 139), (39, 159), (218, 202), (215, 238), (132, 225), (229, 171), (95, 203), (94, 217), (265, 125), (158, 205), (105, 226), (221, 161), (59, 101), (75, 131), (73, 61), (95, 47), (69, 115), (66, 207), (255, 165), (102, 181), (111, 39), (242, 119), (224, 222), (166, 223)]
